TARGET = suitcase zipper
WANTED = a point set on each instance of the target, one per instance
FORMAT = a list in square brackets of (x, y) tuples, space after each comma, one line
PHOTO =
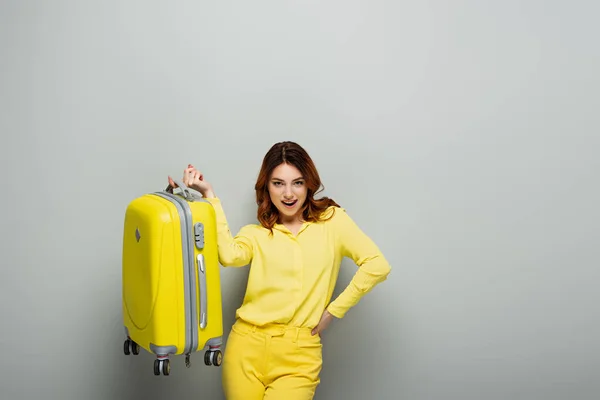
[(191, 268)]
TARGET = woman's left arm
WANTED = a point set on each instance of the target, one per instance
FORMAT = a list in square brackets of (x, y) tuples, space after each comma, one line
[(373, 266)]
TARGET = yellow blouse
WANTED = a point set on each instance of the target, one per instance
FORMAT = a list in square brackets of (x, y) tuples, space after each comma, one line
[(292, 277)]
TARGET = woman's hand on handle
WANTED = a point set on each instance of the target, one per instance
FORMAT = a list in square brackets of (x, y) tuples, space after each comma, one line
[(194, 179)]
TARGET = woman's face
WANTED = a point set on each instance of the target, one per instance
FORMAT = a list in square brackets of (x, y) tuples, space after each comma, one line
[(287, 189)]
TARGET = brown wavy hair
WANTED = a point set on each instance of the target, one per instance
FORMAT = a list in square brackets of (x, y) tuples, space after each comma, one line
[(293, 154)]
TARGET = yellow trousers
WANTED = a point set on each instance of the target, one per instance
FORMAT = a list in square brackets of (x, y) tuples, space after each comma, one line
[(274, 362)]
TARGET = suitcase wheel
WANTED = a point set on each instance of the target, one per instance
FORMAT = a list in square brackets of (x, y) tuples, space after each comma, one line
[(131, 347), (213, 357), (162, 365)]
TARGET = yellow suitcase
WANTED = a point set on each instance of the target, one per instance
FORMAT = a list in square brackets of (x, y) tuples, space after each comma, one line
[(171, 278)]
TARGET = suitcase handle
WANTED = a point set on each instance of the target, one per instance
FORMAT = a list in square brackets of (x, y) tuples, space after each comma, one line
[(203, 297), (184, 189)]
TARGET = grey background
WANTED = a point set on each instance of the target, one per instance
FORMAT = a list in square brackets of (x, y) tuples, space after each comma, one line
[(462, 136)]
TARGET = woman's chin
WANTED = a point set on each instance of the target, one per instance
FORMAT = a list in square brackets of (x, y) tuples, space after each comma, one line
[(289, 213)]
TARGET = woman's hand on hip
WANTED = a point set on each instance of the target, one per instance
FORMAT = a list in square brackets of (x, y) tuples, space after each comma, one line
[(326, 319)]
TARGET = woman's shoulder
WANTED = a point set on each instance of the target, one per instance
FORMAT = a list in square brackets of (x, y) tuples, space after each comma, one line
[(332, 214), (252, 229)]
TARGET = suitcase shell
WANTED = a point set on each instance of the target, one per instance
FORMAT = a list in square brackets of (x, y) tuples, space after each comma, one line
[(171, 279)]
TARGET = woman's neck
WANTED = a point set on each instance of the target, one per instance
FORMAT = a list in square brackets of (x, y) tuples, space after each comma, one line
[(295, 220)]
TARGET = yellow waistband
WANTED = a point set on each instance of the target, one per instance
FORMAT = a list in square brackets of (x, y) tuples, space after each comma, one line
[(273, 329)]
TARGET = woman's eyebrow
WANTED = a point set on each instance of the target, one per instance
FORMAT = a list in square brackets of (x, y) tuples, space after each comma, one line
[(281, 180)]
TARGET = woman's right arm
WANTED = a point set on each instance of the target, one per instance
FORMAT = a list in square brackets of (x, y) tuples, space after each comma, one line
[(234, 251)]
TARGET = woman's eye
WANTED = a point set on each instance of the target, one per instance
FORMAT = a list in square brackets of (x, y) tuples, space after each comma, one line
[(299, 183)]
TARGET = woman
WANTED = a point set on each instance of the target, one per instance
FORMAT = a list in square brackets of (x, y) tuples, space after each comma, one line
[(274, 348)]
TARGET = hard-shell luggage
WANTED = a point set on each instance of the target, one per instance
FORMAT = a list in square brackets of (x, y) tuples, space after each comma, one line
[(171, 278)]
